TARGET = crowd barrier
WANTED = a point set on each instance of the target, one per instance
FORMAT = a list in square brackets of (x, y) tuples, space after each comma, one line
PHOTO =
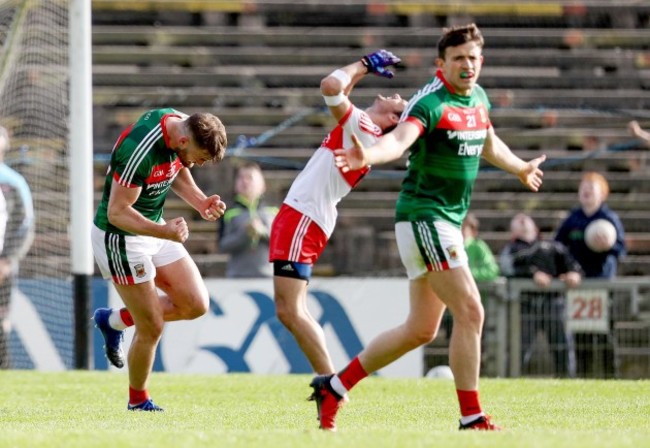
[(598, 330)]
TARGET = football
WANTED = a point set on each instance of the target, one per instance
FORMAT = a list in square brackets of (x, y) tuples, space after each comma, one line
[(600, 235), (440, 372)]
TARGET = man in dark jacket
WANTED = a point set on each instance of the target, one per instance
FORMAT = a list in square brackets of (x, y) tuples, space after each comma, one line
[(528, 256)]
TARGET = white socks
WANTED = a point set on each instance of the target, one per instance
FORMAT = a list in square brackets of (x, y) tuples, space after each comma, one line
[(115, 320), (470, 418), (338, 386)]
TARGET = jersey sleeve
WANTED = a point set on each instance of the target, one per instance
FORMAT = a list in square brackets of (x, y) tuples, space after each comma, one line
[(423, 112), (129, 170)]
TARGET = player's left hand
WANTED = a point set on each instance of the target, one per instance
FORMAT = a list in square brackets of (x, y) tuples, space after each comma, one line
[(351, 159), (213, 208), (530, 175), (378, 61)]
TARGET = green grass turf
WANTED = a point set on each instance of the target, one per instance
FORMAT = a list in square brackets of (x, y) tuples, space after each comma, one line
[(88, 409)]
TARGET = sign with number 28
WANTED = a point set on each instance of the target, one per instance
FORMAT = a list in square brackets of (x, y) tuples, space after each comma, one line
[(588, 310)]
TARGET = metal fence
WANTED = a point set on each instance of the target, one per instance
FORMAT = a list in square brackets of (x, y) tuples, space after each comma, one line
[(599, 330)]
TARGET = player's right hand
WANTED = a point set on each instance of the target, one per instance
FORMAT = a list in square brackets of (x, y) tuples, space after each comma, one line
[(351, 159), (378, 61), (178, 230)]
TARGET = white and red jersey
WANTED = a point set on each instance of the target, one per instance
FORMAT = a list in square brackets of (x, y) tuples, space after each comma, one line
[(321, 185)]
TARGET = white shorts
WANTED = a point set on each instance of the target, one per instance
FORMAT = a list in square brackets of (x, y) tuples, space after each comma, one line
[(129, 260), (426, 246)]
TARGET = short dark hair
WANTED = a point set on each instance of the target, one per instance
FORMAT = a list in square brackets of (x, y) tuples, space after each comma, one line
[(209, 133), (458, 35)]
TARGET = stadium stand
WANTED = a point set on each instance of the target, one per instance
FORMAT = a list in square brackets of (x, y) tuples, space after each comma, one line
[(562, 79)]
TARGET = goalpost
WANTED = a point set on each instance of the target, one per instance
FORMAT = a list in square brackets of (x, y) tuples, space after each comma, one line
[(45, 104)]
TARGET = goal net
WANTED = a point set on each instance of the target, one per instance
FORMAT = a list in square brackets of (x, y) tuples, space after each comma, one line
[(34, 110)]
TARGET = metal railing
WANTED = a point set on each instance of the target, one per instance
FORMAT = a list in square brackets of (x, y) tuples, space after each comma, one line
[(599, 330)]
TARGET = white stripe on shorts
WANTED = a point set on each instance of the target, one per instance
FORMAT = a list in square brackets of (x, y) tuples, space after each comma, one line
[(429, 247), (114, 246), (298, 237)]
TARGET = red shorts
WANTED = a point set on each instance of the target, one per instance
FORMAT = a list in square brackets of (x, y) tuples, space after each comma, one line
[(295, 237)]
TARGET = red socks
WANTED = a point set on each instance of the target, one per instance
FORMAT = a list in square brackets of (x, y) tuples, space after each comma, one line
[(469, 402), (126, 317), (352, 374), (137, 396)]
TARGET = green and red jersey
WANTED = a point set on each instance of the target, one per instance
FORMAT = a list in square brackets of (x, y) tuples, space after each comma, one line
[(443, 162), (142, 158)]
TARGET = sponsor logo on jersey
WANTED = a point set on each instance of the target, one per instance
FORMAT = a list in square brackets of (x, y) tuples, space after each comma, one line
[(454, 117), (158, 188), (465, 149), (164, 171), (467, 135), (161, 177)]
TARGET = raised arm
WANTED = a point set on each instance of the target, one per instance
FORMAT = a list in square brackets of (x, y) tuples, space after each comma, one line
[(389, 147), (336, 86)]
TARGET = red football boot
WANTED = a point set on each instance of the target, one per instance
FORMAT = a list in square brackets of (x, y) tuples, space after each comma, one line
[(328, 402), (482, 423)]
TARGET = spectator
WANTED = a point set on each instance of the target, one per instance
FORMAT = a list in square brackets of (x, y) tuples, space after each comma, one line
[(528, 256), (246, 226), (482, 263), (592, 194), (636, 131), (16, 236)]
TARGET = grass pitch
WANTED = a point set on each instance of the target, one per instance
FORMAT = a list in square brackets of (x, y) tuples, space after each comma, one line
[(88, 409)]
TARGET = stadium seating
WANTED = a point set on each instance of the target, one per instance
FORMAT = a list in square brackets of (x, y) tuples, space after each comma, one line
[(562, 80)]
